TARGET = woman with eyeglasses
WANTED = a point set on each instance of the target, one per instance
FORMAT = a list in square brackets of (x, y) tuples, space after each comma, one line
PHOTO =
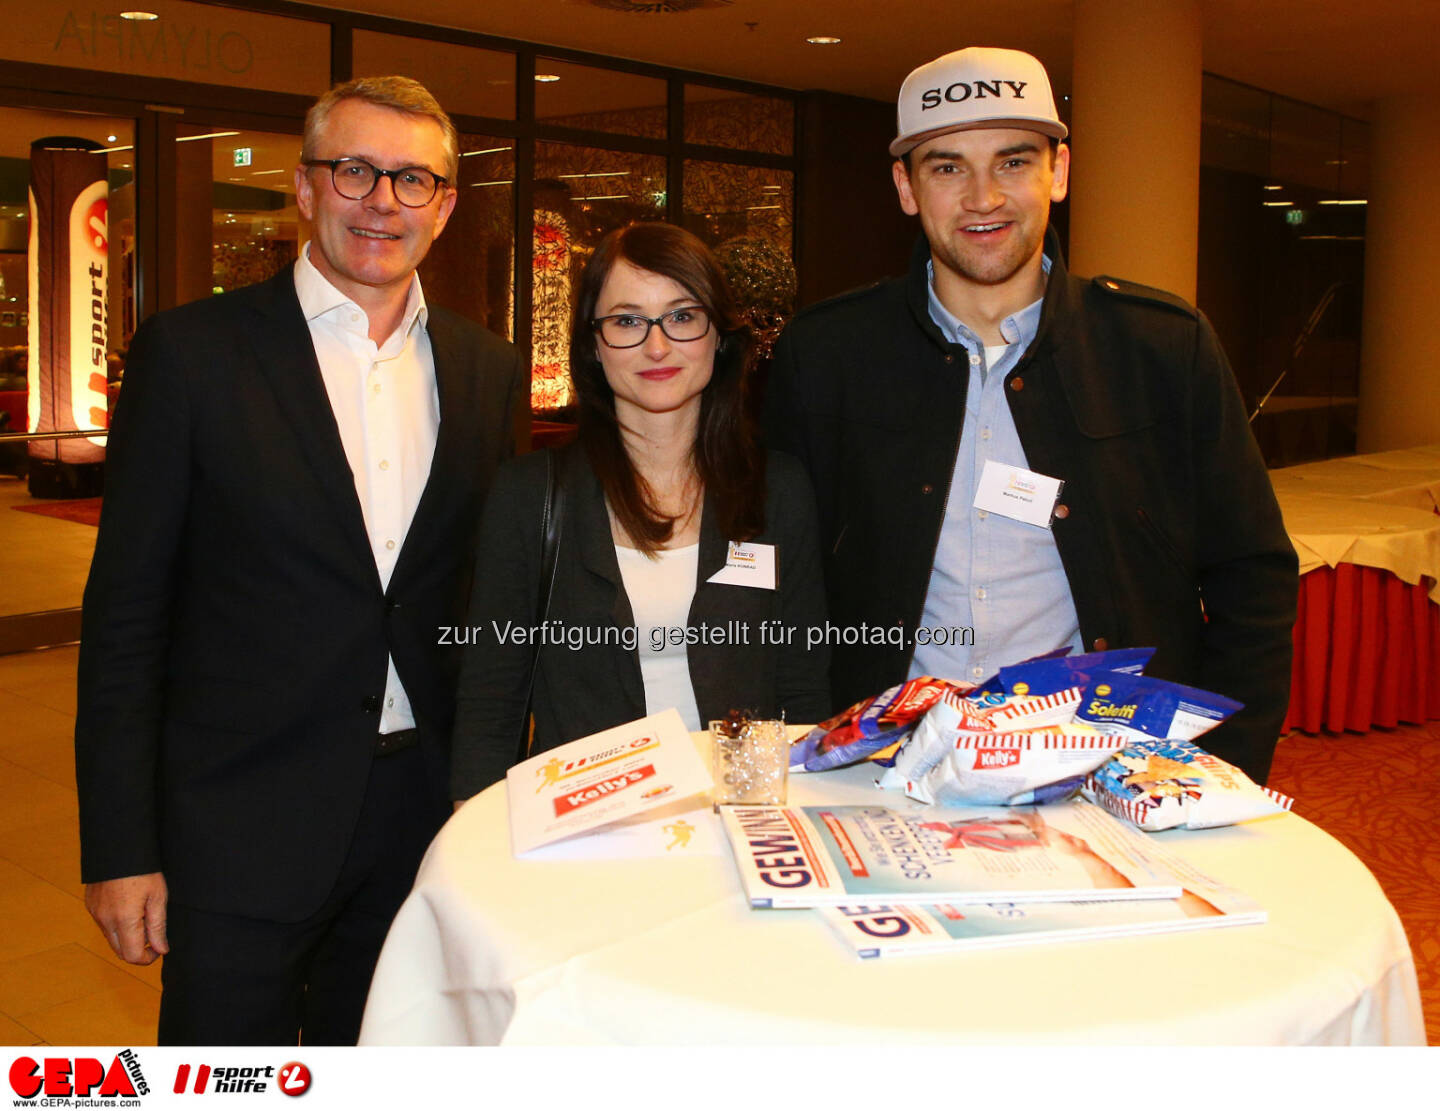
[(687, 572)]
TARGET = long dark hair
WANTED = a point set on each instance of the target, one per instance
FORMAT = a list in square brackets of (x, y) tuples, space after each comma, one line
[(727, 456)]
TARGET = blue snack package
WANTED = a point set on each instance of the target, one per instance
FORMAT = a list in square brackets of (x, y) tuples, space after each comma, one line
[(1048, 674), (993, 685), (1142, 706)]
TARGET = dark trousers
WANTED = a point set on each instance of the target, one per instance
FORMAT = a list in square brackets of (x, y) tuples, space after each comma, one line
[(230, 980)]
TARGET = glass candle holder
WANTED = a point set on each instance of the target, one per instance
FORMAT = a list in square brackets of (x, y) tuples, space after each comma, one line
[(751, 764)]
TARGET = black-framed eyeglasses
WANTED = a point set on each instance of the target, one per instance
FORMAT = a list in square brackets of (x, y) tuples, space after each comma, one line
[(355, 179), (629, 329)]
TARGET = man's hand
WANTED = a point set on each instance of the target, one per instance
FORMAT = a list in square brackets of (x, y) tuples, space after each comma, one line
[(130, 912)]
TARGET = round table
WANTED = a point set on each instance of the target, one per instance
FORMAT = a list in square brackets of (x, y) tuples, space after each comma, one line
[(663, 949)]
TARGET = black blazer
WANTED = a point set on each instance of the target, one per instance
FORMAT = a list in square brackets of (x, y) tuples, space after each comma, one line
[(581, 691), (235, 631)]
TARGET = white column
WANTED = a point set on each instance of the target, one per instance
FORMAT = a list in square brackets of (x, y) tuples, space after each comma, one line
[(1400, 343), (1135, 122)]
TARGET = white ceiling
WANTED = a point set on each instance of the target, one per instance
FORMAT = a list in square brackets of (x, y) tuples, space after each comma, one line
[(1342, 54)]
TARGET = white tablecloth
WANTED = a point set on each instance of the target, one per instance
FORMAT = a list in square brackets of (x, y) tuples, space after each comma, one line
[(1328, 531), (663, 949), (1408, 477)]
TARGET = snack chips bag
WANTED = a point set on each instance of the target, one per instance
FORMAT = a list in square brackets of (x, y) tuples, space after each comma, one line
[(1014, 769), (954, 715), (869, 726), (1141, 706), (1160, 784), (1048, 674)]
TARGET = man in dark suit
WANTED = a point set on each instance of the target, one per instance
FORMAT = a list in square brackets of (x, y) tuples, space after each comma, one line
[(294, 479)]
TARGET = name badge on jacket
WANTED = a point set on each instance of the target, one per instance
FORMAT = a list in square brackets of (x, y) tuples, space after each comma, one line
[(1021, 495), (748, 565)]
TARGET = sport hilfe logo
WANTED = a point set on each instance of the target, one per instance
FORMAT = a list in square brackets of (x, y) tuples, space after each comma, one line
[(293, 1079), (77, 1076)]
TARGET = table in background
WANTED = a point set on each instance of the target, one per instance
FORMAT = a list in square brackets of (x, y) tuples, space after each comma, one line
[(493, 950), (1367, 633)]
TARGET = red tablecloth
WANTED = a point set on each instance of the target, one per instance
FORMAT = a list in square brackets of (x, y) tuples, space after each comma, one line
[(1367, 652)]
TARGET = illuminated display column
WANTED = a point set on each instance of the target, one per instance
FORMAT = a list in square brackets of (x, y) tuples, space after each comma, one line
[(1135, 184), (550, 340), (1400, 345), (69, 281)]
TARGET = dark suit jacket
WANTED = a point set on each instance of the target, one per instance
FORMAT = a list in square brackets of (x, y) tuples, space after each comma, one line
[(235, 632), (581, 691)]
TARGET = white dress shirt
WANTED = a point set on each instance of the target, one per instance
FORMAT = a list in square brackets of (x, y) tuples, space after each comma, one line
[(388, 409), (999, 577)]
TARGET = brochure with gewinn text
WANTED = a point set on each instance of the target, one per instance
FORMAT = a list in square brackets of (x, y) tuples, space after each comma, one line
[(837, 855)]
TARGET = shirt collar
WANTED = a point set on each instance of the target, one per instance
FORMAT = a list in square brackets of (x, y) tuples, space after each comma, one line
[(318, 296), (1019, 327)]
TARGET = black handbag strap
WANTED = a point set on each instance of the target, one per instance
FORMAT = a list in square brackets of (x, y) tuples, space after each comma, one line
[(551, 517)]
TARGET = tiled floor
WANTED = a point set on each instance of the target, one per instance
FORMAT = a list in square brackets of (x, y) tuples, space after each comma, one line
[(60, 984), (43, 561)]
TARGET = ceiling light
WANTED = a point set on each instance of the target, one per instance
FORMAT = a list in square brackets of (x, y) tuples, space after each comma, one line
[(1278, 204), (139, 17), (207, 135), (487, 150), (110, 138), (823, 40), (547, 78), (1272, 187), (1346, 202), (262, 173)]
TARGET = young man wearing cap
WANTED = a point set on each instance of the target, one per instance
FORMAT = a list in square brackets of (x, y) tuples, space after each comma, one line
[(1010, 460)]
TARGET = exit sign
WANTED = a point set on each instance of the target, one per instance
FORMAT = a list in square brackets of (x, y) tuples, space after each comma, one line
[(242, 156)]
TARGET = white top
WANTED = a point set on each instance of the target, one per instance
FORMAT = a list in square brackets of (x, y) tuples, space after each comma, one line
[(387, 408), (660, 591)]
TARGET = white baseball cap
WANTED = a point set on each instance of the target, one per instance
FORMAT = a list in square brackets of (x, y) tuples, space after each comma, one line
[(980, 86)]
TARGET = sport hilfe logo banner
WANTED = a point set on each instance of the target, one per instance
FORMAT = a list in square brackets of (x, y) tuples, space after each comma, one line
[(69, 259)]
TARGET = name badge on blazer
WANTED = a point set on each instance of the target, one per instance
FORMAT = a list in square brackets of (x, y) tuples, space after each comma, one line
[(748, 565)]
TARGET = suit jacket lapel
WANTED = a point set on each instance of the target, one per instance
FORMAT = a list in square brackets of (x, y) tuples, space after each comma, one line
[(594, 547), (714, 548), (453, 384), (287, 361), (594, 543)]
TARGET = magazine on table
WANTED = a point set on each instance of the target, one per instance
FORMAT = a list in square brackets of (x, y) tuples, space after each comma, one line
[(836, 855), (895, 930)]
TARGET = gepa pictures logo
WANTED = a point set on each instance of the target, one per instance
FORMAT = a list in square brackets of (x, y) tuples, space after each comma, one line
[(55, 1077)]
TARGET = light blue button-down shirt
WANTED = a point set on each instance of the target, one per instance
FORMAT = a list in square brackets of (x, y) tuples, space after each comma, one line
[(1001, 578)]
